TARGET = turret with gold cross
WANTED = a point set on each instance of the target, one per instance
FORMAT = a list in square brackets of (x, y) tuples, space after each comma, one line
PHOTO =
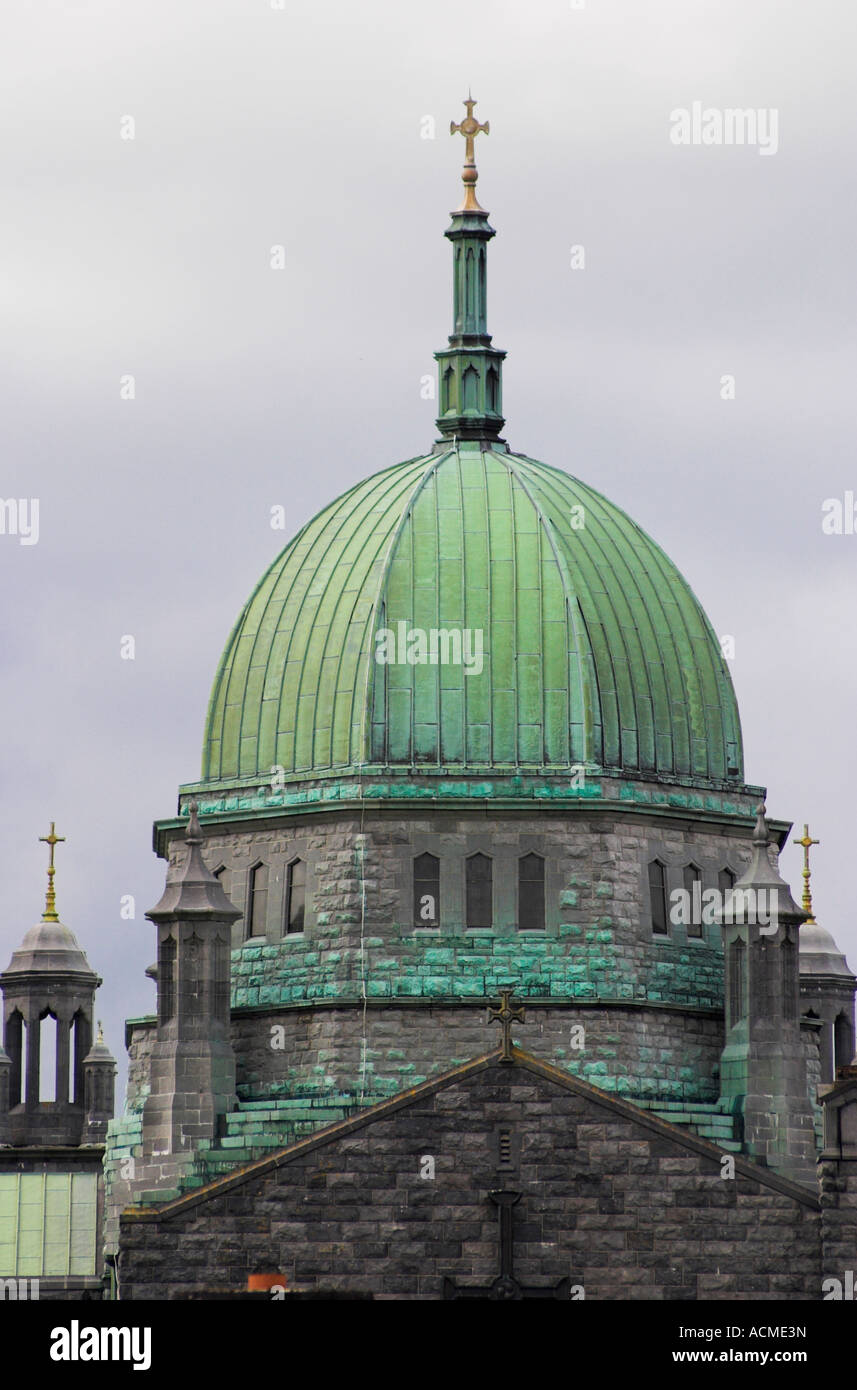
[(49, 976)]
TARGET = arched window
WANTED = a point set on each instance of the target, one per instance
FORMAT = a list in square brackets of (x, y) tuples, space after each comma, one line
[(80, 1041), (691, 876), (493, 383), (737, 986), (167, 979), (531, 892), (788, 965), (426, 891), (450, 396), (725, 881), (843, 1042), (14, 1045), (658, 897), (48, 1058), (479, 895), (470, 289), (295, 895), (257, 901), (471, 389)]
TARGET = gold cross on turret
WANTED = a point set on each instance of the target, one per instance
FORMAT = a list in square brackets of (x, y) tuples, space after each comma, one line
[(805, 840), (50, 912), (469, 128), (506, 1012)]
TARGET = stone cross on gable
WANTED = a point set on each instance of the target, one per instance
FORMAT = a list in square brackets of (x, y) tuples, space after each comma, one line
[(506, 1011)]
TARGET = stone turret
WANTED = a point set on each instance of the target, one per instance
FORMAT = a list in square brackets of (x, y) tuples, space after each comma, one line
[(193, 1065), (763, 1066), (99, 1072)]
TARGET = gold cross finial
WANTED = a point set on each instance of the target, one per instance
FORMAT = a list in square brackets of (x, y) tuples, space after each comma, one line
[(469, 128), (805, 840), (50, 912), (507, 1011)]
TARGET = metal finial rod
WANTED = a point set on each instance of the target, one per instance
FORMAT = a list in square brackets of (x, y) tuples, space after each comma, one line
[(50, 912), (806, 841), (469, 128)]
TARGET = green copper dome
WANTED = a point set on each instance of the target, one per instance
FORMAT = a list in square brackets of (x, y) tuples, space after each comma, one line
[(471, 610), (562, 635)]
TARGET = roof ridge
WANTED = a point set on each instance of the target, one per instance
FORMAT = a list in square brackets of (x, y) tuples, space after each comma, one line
[(520, 1057)]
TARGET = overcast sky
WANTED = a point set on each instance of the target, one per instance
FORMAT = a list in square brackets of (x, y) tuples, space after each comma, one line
[(300, 126)]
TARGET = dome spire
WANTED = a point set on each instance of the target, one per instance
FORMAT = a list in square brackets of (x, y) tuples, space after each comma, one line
[(50, 912), (470, 369)]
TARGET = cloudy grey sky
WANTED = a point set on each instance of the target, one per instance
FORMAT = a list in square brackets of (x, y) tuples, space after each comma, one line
[(301, 126)]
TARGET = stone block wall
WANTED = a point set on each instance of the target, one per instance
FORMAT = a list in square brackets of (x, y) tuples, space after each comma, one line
[(359, 932), (610, 1199), (632, 1050)]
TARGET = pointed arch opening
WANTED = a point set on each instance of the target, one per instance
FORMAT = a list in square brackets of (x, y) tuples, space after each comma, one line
[(658, 898), (295, 896), (426, 890), (166, 979), (15, 1045), (692, 883), (492, 385), (479, 891), (843, 1041), (48, 1052), (471, 389), (257, 900), (531, 892), (80, 1041)]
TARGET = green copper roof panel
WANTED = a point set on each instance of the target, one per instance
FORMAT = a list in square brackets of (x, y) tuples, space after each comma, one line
[(47, 1224), (594, 649)]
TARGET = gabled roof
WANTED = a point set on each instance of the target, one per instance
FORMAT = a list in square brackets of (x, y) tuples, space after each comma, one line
[(406, 1099)]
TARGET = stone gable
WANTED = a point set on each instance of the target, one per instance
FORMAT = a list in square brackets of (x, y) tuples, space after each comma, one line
[(611, 1199)]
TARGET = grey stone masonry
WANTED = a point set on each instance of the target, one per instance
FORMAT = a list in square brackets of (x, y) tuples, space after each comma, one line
[(396, 1202), (838, 1175), (763, 1065), (631, 1048)]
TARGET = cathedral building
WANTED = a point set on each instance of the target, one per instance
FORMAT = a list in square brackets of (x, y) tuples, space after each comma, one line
[(476, 975)]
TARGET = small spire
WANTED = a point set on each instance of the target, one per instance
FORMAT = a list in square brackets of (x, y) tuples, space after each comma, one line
[(100, 1038), (50, 912), (806, 842), (193, 834), (469, 128), (761, 836)]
